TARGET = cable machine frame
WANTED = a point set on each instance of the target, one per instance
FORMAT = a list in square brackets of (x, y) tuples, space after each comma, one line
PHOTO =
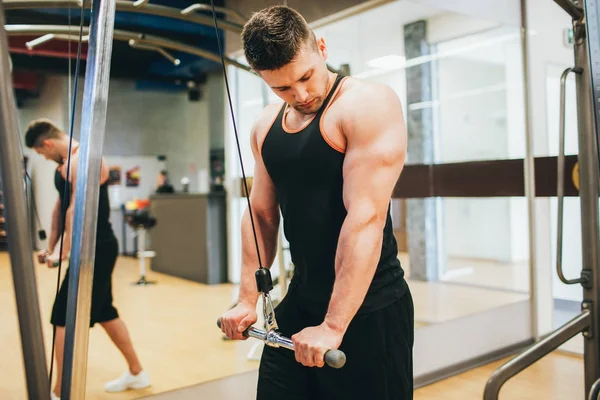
[(586, 28)]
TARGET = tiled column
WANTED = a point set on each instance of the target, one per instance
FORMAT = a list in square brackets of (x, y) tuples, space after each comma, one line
[(422, 216)]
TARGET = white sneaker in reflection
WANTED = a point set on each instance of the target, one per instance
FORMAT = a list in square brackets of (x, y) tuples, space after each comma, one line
[(128, 381)]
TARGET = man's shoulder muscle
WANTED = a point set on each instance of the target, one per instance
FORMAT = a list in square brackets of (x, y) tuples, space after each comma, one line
[(357, 94), (264, 122), (359, 99)]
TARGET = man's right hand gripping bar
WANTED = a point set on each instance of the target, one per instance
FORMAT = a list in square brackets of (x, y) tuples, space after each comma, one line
[(333, 358)]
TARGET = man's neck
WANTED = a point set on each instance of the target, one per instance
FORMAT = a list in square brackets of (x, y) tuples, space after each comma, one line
[(65, 148)]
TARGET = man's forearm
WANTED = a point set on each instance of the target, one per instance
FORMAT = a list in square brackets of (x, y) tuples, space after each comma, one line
[(267, 227), (56, 228), (359, 249), (68, 231)]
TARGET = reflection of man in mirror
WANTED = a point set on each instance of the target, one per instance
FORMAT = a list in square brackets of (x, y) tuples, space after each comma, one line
[(162, 183), (46, 139)]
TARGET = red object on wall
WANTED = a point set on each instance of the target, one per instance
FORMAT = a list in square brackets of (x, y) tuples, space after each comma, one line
[(25, 80), (53, 48)]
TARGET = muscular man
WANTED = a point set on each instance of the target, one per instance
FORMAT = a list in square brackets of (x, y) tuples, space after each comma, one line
[(328, 158), (49, 141)]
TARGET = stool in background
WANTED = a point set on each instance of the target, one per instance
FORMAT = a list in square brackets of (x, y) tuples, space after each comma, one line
[(141, 221)]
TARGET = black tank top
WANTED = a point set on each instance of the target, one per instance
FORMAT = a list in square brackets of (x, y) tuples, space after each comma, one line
[(104, 230), (307, 174)]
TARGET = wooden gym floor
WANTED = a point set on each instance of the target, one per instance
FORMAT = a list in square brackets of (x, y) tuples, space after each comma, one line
[(174, 331)]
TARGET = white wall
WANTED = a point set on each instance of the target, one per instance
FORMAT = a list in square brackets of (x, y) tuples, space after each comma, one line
[(148, 123), (505, 11), (449, 26), (139, 123)]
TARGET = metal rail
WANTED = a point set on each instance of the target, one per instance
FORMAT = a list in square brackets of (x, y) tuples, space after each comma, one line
[(529, 175), (19, 241), (205, 7), (560, 187), (127, 6), (534, 353), (87, 188), (573, 10), (126, 36), (595, 391)]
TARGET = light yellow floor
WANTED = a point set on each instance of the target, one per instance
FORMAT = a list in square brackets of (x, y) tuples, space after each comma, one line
[(173, 327), (554, 377), (173, 324), (513, 277)]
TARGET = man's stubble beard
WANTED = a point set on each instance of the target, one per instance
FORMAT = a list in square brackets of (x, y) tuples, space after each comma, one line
[(312, 110)]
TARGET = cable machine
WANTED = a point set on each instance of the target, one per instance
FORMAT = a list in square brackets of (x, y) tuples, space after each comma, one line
[(586, 28)]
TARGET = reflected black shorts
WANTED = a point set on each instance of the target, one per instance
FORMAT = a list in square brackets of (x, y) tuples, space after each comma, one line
[(102, 309)]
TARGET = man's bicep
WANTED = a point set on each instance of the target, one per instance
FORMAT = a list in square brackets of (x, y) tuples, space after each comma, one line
[(262, 193), (370, 179), (73, 175), (57, 205), (375, 155)]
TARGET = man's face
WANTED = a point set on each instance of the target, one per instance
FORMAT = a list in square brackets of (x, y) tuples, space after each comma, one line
[(47, 149), (303, 82)]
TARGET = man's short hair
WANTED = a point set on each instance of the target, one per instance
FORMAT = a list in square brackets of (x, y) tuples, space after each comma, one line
[(274, 36), (41, 129)]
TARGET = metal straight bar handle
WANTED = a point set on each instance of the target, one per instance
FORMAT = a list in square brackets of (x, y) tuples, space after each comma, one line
[(127, 6), (93, 122), (333, 358), (534, 353), (19, 243), (560, 188)]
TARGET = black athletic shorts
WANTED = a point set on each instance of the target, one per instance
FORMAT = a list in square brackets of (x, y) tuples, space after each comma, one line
[(379, 364), (102, 309)]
